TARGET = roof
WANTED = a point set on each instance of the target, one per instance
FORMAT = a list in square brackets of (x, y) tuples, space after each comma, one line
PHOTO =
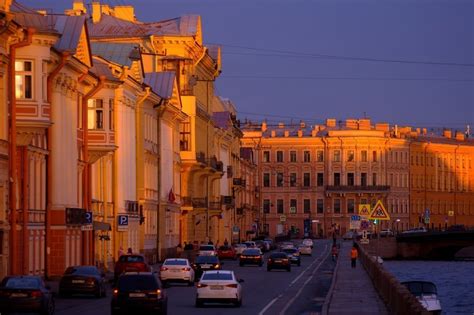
[(101, 68), (161, 83), (120, 53)]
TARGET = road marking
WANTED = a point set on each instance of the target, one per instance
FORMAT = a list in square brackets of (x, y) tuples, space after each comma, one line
[(269, 305), (302, 273)]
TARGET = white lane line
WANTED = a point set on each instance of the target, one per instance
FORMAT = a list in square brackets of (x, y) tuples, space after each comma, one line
[(292, 282), (302, 287)]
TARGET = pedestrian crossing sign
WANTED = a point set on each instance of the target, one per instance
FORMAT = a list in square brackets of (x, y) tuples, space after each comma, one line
[(379, 212), (364, 210)]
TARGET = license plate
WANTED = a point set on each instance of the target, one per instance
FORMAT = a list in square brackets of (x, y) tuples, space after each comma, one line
[(78, 281), (18, 295), (278, 261), (136, 295), (206, 266), (174, 270), (217, 287)]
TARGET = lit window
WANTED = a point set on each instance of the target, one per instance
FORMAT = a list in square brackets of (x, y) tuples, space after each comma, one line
[(23, 79), (320, 156), (337, 156), (363, 156), (350, 156), (95, 117)]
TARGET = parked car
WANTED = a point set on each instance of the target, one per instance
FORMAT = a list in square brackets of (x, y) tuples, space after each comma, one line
[(251, 256), (203, 263), (226, 252), (278, 260), (386, 233), (239, 248), (293, 255), (456, 228), (305, 250), (207, 250), (308, 242), (137, 292), (219, 286), (177, 270), (83, 280), (131, 262), (415, 230), (25, 294)]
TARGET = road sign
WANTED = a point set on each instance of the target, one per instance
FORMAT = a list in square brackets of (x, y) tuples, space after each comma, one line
[(354, 223), (292, 209), (87, 227), (427, 220), (364, 210), (451, 213), (364, 224), (282, 218), (379, 212), (88, 217), (364, 241), (122, 222)]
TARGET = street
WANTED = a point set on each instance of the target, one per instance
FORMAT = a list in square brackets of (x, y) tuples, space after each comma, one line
[(277, 292)]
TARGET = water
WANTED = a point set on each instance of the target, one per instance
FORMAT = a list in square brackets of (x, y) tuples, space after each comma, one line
[(454, 280)]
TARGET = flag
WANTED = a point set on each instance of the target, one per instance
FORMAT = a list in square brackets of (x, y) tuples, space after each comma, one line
[(171, 196)]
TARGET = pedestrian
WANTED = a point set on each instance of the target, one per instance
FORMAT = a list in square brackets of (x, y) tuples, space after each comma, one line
[(334, 252), (354, 255), (129, 251), (210, 243), (120, 251), (226, 242)]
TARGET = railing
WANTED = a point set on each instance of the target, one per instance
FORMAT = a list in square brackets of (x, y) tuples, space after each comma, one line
[(347, 188), (199, 202)]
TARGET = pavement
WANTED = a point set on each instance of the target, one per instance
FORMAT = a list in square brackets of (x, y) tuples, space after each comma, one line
[(352, 291)]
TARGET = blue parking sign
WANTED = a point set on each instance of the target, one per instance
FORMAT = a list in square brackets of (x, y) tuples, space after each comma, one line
[(88, 217), (122, 222)]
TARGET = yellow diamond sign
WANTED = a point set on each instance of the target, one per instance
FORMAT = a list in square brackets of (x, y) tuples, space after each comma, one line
[(379, 212)]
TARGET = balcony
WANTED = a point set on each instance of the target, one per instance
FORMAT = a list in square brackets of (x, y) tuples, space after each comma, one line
[(356, 189), (101, 143)]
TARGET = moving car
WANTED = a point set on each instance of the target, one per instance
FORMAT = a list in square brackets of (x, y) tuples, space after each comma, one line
[(137, 292), (308, 242), (226, 252), (131, 262), (251, 256), (426, 293), (284, 245), (278, 260), (177, 270), (25, 294), (203, 263), (293, 255), (415, 230), (207, 250), (219, 286), (83, 280), (239, 248), (305, 250)]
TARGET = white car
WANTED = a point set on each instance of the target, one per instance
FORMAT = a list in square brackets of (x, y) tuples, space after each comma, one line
[(415, 230), (308, 242), (219, 286), (177, 270), (239, 248), (207, 250), (305, 250), (286, 245)]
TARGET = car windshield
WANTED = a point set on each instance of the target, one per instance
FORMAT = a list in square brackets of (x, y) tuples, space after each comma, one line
[(131, 259), (217, 276), (206, 259), (290, 250), (175, 262), (138, 282), (206, 247), (81, 270), (251, 252), (278, 255), (23, 283)]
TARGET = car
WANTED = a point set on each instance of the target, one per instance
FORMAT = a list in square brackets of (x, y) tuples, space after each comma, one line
[(250, 244), (137, 292), (25, 294), (293, 255), (207, 250), (239, 248), (284, 245), (386, 233), (203, 263), (308, 242), (305, 250), (251, 256), (219, 286), (131, 262), (83, 280), (278, 260), (416, 230), (226, 252), (177, 270)]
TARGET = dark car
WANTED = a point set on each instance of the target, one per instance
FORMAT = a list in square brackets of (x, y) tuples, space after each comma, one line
[(293, 255), (25, 294), (456, 228), (138, 292), (203, 263), (251, 256), (130, 263), (83, 280), (278, 261)]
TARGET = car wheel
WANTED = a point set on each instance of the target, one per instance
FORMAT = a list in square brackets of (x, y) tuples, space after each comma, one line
[(199, 303)]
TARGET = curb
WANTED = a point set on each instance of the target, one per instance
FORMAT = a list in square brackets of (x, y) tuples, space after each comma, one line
[(327, 300)]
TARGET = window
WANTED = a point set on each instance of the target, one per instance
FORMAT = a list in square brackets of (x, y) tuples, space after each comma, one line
[(320, 156), (320, 179), (374, 156), (350, 179), (279, 179), (307, 206), (293, 156), (95, 117), (320, 205), (266, 156), (306, 179), (280, 156), (337, 156), (185, 135), (350, 156), (363, 156), (111, 114), (363, 179), (266, 205), (266, 179), (280, 206), (293, 206), (307, 156), (23, 79), (337, 205), (337, 179), (374, 179), (350, 206), (292, 179)]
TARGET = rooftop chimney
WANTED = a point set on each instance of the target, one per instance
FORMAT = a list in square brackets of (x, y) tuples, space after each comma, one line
[(382, 127), (351, 123), (302, 125), (460, 136), (96, 12), (300, 133), (273, 133), (287, 133), (447, 133), (264, 126), (281, 125), (331, 122), (364, 124), (125, 12)]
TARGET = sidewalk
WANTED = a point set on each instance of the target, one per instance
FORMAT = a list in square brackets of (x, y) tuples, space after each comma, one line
[(353, 292)]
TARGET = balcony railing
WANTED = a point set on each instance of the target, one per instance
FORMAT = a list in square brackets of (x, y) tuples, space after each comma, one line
[(346, 188)]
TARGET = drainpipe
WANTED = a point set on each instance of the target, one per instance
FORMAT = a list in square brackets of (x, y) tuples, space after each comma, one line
[(49, 166), (12, 147)]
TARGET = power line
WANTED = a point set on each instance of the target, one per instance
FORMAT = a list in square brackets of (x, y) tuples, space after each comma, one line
[(273, 77)]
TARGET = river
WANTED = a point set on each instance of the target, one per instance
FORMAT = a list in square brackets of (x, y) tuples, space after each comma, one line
[(454, 280)]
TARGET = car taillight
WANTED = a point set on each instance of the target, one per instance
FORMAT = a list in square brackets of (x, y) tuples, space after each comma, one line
[(216, 266), (186, 269), (201, 285), (234, 285), (115, 292), (269, 260), (163, 269), (36, 294)]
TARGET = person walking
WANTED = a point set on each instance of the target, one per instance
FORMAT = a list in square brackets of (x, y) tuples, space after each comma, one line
[(354, 255), (334, 252)]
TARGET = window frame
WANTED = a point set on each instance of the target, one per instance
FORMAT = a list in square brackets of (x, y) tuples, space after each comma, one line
[(92, 107), (24, 74)]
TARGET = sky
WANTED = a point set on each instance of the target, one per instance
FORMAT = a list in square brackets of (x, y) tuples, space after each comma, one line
[(409, 62)]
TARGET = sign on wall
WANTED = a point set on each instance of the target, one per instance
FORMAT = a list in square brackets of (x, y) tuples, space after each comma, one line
[(122, 223)]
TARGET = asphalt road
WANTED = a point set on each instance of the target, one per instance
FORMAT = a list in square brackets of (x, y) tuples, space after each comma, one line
[(301, 291)]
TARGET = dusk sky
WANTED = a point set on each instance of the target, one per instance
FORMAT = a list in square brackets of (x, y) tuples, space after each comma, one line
[(273, 68)]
